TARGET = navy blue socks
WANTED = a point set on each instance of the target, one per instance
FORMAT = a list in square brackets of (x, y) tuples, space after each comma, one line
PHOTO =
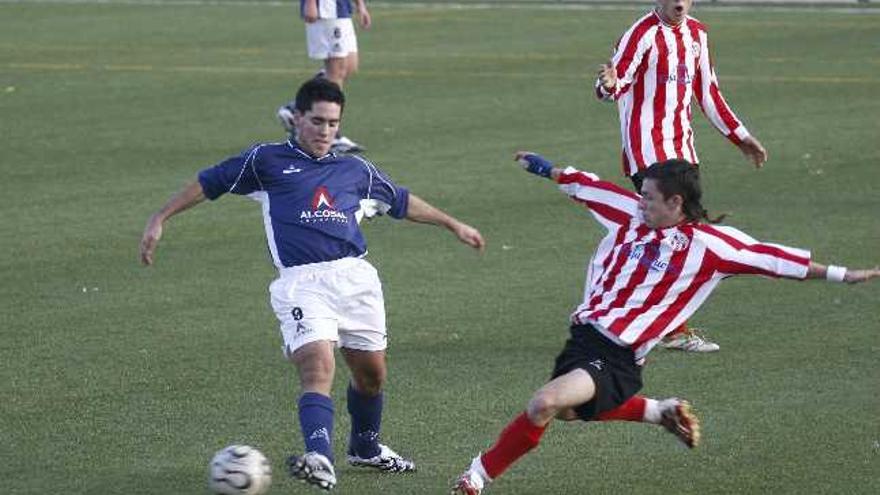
[(316, 422), (366, 421)]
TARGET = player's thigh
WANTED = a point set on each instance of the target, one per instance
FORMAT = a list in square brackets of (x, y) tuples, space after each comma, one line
[(303, 311), (564, 392), (361, 308)]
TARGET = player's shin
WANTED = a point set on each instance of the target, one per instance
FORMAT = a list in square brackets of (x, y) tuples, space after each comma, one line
[(316, 422), (515, 441), (634, 409), (366, 421)]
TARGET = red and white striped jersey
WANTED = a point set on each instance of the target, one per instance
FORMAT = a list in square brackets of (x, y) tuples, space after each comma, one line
[(642, 283), (660, 69)]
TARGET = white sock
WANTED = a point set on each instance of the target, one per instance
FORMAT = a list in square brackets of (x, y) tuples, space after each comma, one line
[(477, 467), (653, 412)]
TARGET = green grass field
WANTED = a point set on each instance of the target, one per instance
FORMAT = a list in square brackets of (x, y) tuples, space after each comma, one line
[(118, 379)]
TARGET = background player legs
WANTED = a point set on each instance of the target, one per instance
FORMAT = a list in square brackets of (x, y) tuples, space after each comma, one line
[(338, 69)]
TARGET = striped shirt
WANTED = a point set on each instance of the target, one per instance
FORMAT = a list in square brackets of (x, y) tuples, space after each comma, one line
[(330, 9), (660, 68), (642, 283)]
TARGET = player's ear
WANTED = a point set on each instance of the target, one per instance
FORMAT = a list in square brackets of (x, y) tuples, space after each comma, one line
[(676, 201)]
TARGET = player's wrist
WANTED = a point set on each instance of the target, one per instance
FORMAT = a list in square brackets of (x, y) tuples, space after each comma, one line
[(538, 165), (834, 273)]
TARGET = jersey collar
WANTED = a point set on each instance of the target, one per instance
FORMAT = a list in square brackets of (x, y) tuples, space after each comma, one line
[(297, 148)]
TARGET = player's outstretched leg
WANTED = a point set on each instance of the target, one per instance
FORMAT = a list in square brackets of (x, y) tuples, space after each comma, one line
[(313, 468), (673, 414)]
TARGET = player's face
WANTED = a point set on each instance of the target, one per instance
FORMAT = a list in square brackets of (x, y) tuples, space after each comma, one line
[(673, 11), (658, 212), (316, 128)]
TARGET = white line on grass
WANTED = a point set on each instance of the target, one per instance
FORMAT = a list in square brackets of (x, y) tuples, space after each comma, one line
[(749, 7), (39, 66)]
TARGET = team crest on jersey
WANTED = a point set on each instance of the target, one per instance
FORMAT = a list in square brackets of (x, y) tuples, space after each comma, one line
[(695, 48), (677, 241), (323, 209)]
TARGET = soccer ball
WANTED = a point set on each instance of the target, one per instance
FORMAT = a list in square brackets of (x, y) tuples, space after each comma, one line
[(239, 470)]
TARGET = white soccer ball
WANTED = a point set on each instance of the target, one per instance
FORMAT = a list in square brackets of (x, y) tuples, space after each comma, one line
[(239, 470)]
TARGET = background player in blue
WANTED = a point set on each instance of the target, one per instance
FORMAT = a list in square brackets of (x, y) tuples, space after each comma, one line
[(331, 38), (326, 292)]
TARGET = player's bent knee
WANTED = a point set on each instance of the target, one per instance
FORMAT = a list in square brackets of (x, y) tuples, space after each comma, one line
[(543, 406), (370, 383), (567, 415)]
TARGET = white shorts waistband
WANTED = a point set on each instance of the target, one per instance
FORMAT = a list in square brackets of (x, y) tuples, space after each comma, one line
[(342, 263)]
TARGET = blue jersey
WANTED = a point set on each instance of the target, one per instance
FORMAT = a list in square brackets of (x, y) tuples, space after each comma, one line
[(311, 206), (330, 9)]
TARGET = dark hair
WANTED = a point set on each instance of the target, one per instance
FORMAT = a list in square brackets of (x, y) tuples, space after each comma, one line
[(681, 177), (315, 90)]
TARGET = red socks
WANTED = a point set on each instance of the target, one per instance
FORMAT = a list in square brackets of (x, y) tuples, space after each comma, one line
[(519, 437), (631, 410), (683, 328)]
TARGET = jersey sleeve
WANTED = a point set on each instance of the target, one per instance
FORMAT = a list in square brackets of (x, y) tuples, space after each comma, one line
[(236, 174), (712, 102), (381, 195), (612, 205), (737, 254)]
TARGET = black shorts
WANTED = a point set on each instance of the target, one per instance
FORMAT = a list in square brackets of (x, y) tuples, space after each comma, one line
[(613, 369)]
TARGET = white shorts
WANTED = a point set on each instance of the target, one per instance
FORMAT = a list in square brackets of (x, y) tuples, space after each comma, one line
[(339, 301), (331, 38)]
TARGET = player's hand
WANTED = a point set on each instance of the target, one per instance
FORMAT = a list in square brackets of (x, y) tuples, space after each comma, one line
[(858, 276), (608, 77), (534, 163), (364, 17), (310, 11), (469, 236), (754, 151), (152, 234)]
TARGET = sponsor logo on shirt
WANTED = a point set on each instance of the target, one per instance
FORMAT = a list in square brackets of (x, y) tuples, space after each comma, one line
[(682, 76), (648, 255), (323, 209)]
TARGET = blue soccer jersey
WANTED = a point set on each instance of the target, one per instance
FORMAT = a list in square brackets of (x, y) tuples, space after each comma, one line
[(311, 206), (330, 9)]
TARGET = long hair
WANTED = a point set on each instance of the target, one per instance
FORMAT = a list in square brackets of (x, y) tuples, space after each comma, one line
[(680, 177)]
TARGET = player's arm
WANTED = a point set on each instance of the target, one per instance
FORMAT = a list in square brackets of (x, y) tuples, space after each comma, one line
[(363, 14), (615, 77), (834, 273), (419, 210), (310, 11), (236, 174), (190, 196), (738, 253), (719, 113), (611, 204)]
